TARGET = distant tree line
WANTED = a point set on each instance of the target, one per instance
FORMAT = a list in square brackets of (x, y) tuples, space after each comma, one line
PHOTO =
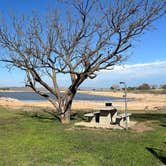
[(144, 86), (4, 88)]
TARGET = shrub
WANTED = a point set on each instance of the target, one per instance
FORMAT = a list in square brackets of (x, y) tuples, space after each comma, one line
[(144, 86), (163, 86)]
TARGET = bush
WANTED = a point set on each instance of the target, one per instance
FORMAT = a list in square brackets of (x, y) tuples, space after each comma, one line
[(115, 87), (5, 89), (131, 88), (163, 86), (144, 87)]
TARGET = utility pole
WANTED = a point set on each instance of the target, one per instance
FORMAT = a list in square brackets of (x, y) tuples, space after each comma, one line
[(125, 97)]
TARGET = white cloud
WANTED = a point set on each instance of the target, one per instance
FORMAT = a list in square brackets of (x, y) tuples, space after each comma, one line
[(133, 67), (152, 73)]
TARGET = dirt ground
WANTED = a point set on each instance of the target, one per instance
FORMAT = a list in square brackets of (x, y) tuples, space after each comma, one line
[(141, 102)]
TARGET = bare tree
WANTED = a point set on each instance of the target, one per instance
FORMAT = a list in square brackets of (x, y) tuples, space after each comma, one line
[(86, 37)]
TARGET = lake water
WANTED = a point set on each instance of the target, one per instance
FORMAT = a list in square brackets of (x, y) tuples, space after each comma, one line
[(31, 96)]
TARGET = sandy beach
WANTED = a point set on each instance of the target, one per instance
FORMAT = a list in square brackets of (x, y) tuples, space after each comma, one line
[(141, 102)]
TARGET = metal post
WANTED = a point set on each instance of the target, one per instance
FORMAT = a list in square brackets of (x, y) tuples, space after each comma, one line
[(125, 96)]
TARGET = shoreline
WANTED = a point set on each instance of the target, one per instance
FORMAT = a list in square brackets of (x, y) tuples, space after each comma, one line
[(141, 102)]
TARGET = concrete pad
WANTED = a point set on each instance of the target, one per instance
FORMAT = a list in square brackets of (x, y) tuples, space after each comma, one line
[(104, 126)]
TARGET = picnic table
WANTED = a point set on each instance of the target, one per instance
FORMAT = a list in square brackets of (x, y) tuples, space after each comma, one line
[(107, 115), (103, 115)]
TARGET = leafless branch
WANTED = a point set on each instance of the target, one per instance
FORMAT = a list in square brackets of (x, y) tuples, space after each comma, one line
[(89, 36)]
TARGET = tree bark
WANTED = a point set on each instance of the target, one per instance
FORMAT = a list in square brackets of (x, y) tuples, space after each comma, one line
[(65, 108), (65, 117)]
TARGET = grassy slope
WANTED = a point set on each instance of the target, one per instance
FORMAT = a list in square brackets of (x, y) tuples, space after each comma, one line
[(28, 140)]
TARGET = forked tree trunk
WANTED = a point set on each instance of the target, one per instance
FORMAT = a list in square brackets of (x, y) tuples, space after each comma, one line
[(65, 109), (66, 103), (65, 117)]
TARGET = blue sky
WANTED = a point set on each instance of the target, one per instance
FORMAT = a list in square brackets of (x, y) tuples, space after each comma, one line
[(147, 62)]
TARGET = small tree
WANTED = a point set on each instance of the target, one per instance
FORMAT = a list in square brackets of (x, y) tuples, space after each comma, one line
[(163, 86), (144, 87), (86, 37), (154, 86), (115, 87)]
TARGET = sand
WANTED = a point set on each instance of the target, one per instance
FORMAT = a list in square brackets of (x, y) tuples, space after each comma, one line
[(141, 102)]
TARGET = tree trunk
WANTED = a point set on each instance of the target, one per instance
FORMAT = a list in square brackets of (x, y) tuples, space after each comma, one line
[(65, 117), (65, 108), (66, 103)]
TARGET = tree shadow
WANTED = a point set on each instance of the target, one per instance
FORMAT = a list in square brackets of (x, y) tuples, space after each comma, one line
[(158, 153), (163, 125), (79, 115), (47, 115), (42, 115)]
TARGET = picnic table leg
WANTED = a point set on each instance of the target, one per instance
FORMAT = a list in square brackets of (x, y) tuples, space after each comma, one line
[(113, 116), (128, 119), (122, 121), (105, 118)]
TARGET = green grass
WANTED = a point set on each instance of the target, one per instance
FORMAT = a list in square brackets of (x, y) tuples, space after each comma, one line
[(37, 139)]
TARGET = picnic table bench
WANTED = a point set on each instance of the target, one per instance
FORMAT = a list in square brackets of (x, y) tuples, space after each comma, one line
[(93, 116), (122, 118)]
